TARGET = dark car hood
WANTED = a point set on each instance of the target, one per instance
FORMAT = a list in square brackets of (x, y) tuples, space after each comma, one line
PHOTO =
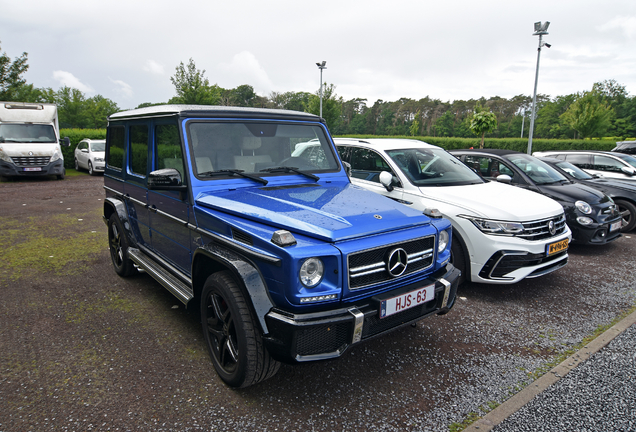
[(330, 213), (572, 192), (612, 184)]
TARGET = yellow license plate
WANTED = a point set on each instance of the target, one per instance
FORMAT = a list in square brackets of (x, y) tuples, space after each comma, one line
[(557, 247)]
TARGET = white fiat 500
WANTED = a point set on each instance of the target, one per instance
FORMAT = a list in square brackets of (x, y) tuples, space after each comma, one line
[(501, 234)]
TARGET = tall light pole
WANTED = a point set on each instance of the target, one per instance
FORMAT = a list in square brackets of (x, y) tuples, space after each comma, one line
[(540, 29), (321, 66)]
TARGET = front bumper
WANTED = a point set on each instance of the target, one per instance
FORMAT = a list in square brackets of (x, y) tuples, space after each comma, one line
[(11, 170), (322, 335), (596, 233)]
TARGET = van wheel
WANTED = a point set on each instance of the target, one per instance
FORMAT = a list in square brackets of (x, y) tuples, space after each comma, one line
[(118, 244), (628, 213), (61, 176), (230, 331), (458, 259)]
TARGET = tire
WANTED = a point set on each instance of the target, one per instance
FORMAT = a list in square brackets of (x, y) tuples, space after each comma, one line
[(76, 165), (628, 213), (61, 176), (234, 341), (91, 171), (458, 259), (118, 245)]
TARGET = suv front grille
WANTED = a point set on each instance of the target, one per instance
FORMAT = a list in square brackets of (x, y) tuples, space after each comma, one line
[(27, 161), (370, 267), (540, 229)]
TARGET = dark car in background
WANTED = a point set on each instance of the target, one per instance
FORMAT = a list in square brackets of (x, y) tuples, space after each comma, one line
[(591, 215), (623, 193)]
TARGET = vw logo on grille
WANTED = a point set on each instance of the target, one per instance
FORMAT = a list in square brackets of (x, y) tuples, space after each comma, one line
[(397, 262), (551, 227)]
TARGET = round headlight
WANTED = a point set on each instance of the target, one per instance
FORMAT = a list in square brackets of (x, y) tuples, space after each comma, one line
[(583, 207), (311, 272), (442, 242)]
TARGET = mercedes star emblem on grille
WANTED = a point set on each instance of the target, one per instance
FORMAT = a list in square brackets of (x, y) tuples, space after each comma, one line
[(551, 227), (397, 262)]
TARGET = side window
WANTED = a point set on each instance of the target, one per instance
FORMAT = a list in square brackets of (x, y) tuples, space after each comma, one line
[(116, 141), (343, 153), (479, 164), (580, 160), (168, 149), (604, 163), (139, 149), (367, 165)]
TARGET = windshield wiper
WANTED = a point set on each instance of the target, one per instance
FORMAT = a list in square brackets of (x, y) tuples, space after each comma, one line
[(231, 172), (291, 169)]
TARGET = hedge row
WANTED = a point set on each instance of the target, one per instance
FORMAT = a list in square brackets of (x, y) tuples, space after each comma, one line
[(76, 135), (517, 144)]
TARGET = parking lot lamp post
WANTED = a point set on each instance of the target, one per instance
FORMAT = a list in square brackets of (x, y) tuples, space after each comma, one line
[(321, 66), (540, 29)]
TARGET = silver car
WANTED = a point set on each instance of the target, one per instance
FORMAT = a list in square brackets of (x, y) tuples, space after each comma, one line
[(89, 155)]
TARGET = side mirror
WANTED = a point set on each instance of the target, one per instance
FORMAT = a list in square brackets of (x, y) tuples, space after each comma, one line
[(165, 179), (347, 167), (504, 178), (65, 142), (84, 150), (386, 179), (627, 170)]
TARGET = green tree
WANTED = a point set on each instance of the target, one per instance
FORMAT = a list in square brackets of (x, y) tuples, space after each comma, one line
[(414, 129), (482, 123), (11, 80), (589, 115), (98, 108), (192, 87), (331, 105)]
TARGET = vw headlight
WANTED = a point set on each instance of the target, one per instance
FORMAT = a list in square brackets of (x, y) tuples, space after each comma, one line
[(583, 207), (488, 226), (442, 241), (311, 272)]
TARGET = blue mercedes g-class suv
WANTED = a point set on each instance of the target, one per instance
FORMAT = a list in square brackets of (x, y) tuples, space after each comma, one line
[(287, 260)]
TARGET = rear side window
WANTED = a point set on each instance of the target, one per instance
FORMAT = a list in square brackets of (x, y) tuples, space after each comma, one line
[(116, 142), (139, 149)]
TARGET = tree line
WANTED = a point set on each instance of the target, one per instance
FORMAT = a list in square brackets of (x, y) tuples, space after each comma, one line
[(605, 110)]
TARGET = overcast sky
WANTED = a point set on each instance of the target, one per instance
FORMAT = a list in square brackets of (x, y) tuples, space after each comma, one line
[(128, 50)]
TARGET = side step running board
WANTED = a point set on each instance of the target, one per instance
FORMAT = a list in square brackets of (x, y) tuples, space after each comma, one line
[(181, 290)]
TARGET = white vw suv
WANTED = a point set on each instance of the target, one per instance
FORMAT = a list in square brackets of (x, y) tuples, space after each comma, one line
[(501, 234)]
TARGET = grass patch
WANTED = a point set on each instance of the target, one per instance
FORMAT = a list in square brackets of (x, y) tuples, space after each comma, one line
[(59, 245)]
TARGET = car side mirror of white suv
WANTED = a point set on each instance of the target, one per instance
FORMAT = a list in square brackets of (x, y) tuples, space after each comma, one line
[(504, 178), (386, 179)]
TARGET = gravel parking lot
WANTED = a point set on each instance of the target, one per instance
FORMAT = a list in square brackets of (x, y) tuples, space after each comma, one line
[(82, 349)]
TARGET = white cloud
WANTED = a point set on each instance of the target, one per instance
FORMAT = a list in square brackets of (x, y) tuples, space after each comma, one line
[(69, 80), (245, 69), (153, 67), (625, 24), (122, 88)]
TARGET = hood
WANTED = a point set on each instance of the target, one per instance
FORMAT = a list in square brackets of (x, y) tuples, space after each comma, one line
[(29, 149), (493, 200), (612, 184), (571, 192), (327, 212)]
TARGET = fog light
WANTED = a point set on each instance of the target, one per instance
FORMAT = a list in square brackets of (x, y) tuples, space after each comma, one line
[(318, 298)]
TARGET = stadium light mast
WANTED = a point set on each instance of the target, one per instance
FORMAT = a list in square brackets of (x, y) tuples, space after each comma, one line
[(540, 29), (321, 66)]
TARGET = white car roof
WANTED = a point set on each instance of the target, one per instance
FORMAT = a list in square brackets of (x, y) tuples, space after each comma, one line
[(384, 143)]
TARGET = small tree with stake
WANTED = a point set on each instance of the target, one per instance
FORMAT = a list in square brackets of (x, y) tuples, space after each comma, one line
[(482, 122)]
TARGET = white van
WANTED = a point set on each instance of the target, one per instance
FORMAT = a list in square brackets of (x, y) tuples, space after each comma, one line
[(30, 140)]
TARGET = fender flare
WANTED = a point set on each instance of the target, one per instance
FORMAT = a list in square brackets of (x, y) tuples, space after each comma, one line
[(114, 205), (246, 273)]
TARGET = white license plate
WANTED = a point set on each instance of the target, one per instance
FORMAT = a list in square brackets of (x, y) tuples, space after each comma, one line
[(406, 301), (616, 225), (33, 169)]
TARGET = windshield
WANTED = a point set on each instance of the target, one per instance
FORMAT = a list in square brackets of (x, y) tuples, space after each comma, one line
[(574, 171), (259, 148), (27, 133), (433, 167), (627, 158), (539, 171), (98, 146)]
